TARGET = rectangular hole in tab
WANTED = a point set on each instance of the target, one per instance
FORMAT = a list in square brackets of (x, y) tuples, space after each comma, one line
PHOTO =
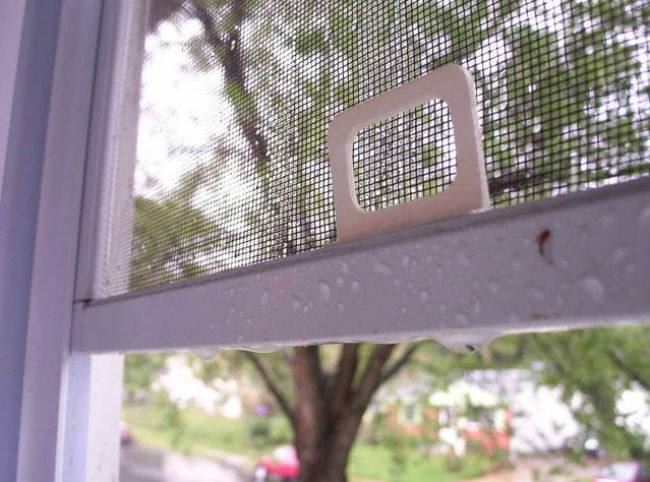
[(405, 157)]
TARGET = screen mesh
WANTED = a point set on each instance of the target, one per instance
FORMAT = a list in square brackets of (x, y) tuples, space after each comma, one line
[(236, 99), (405, 157)]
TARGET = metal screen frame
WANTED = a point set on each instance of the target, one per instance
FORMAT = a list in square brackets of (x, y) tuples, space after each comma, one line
[(589, 249)]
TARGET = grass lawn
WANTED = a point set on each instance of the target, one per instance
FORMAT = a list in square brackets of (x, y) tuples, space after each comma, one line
[(152, 425), (377, 462)]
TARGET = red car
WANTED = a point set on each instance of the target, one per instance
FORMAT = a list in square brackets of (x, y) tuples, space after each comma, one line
[(624, 472), (282, 465)]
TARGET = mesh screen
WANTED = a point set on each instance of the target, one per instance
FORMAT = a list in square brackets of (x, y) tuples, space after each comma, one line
[(405, 157), (237, 96)]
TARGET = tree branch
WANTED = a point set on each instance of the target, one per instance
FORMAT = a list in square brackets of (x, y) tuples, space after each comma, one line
[(346, 369), (283, 402), (399, 363), (370, 380)]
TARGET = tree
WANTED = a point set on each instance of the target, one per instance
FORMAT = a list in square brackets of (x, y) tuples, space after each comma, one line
[(591, 367), (248, 41)]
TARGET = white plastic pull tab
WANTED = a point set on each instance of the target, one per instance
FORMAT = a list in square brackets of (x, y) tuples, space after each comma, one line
[(469, 191)]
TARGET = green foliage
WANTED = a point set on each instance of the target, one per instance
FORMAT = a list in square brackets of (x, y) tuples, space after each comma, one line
[(141, 370), (598, 365), (592, 367)]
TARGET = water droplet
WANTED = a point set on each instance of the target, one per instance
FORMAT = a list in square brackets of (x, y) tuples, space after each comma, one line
[(461, 319), (593, 288), (403, 310), (443, 309), (325, 291), (296, 305), (339, 282), (607, 220), (424, 297), (381, 268), (462, 259), (535, 293), (345, 268), (630, 269), (341, 307), (428, 259), (516, 264), (493, 286), (644, 218), (619, 255), (406, 261), (264, 299), (354, 286), (476, 307)]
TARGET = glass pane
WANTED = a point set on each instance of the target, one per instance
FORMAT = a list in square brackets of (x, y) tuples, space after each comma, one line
[(236, 98)]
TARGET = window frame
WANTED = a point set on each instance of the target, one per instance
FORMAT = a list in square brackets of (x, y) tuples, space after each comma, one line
[(61, 428)]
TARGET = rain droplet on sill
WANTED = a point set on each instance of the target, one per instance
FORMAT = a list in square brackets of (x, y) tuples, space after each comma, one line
[(296, 305), (593, 288), (461, 319), (325, 291), (354, 286), (264, 299), (630, 269), (644, 218), (607, 220), (462, 259), (619, 255), (424, 297), (339, 282), (535, 294), (406, 261), (381, 268)]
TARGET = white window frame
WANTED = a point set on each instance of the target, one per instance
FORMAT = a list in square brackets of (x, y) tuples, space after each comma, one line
[(68, 420)]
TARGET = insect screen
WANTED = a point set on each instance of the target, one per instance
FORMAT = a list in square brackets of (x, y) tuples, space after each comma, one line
[(236, 98)]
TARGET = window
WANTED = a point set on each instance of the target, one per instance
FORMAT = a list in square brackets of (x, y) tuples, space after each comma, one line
[(247, 254)]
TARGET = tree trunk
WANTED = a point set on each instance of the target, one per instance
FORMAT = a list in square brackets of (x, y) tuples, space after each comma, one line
[(327, 459), (327, 418), (328, 409)]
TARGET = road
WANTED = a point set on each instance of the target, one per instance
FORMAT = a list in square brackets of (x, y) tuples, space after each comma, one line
[(140, 463)]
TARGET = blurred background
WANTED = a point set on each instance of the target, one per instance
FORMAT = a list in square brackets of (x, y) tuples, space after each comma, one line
[(551, 407)]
